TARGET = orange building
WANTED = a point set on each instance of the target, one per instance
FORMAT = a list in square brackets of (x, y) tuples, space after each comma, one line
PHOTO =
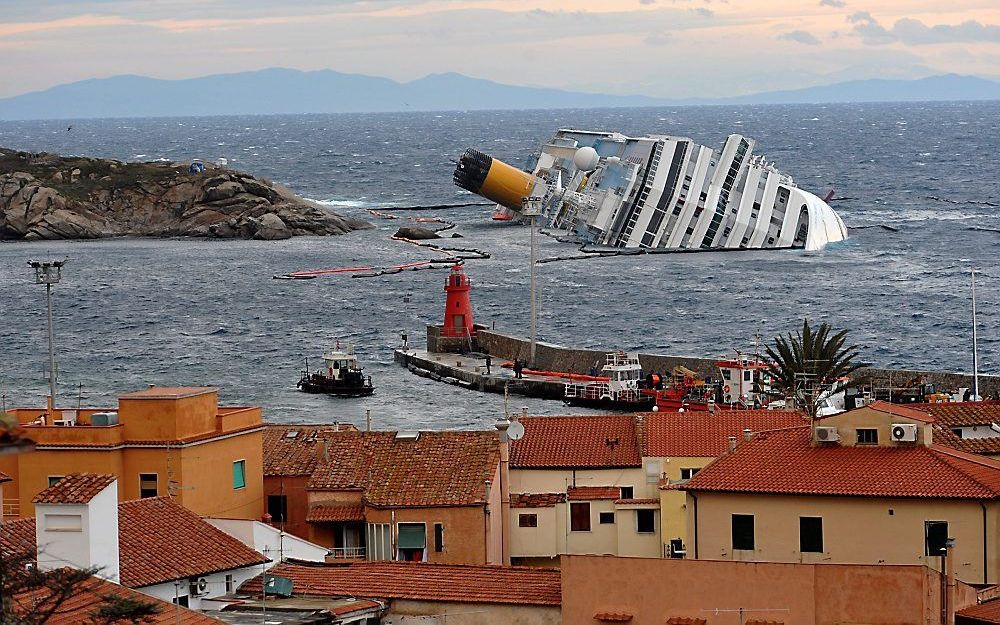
[(428, 496), (642, 591), (160, 441)]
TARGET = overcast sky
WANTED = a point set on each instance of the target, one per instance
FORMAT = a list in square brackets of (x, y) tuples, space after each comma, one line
[(668, 48)]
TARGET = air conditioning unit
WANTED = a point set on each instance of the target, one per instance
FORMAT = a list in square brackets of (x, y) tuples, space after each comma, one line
[(903, 432), (198, 587), (827, 434)]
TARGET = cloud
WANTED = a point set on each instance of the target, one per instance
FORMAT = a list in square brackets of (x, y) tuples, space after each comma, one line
[(914, 32), (703, 12), (800, 36), (837, 4), (659, 38), (647, 1)]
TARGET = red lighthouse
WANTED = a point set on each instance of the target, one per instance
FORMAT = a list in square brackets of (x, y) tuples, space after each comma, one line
[(458, 307)]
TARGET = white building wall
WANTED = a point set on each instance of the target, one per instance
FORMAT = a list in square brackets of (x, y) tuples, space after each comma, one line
[(169, 591), (80, 535), (270, 541)]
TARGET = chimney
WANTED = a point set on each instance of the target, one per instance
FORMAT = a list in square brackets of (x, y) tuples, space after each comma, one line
[(322, 454), (76, 524), (747, 434), (732, 443)]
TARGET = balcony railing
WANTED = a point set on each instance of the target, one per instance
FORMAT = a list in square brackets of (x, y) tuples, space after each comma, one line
[(347, 553)]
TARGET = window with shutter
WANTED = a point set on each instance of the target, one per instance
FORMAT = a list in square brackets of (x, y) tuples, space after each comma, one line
[(579, 515)]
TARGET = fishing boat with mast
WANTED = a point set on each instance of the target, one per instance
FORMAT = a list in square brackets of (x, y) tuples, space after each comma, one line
[(341, 375)]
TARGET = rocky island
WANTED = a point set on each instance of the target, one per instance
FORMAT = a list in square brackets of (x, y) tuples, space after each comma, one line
[(47, 196)]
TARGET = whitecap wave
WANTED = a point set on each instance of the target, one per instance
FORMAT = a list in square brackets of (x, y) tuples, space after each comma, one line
[(343, 203)]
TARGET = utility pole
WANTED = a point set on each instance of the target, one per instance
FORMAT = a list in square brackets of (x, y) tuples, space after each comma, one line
[(975, 344), (531, 207), (49, 273)]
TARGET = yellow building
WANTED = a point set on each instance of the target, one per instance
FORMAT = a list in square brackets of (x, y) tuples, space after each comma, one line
[(677, 445), (578, 485), (868, 486), (159, 441)]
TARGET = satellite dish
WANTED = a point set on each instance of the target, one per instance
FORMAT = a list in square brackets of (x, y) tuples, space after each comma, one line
[(515, 431)]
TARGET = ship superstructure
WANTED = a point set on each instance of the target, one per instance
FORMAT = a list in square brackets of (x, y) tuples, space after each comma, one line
[(657, 191)]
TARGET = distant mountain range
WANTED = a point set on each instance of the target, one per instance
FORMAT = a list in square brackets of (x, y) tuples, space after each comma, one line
[(281, 90)]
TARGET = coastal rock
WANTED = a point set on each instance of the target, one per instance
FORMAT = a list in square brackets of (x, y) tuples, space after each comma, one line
[(416, 233), (271, 228), (45, 196)]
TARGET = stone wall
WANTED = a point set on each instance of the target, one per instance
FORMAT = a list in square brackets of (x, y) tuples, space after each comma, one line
[(556, 358)]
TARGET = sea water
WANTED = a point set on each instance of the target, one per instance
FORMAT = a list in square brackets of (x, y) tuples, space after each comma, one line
[(133, 312)]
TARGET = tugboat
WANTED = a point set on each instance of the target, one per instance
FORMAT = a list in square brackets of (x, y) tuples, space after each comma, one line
[(341, 377), (619, 390), (743, 384)]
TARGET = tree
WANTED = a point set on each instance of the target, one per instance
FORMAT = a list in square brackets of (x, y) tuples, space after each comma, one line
[(116, 608), (803, 364)]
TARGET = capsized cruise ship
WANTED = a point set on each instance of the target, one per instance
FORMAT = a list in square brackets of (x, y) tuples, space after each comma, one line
[(656, 191)]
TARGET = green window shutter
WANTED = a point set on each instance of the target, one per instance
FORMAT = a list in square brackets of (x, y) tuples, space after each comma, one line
[(411, 536), (239, 474)]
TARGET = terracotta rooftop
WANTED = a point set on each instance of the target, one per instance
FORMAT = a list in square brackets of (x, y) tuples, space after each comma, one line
[(422, 581), (18, 537), (169, 392), (684, 620), (613, 617), (785, 462), (598, 441), (983, 446), (961, 413), (902, 410), (290, 450), (988, 612), (81, 606), (593, 493), (637, 502), (436, 469), (161, 541), (536, 500), (331, 512), (706, 435), (76, 488)]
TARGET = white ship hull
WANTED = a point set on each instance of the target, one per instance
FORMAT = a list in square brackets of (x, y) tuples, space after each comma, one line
[(659, 192)]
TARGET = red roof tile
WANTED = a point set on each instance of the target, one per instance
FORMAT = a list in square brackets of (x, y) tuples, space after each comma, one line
[(290, 450), (353, 606), (536, 500), (684, 620), (785, 462), (593, 493), (962, 412), (422, 581), (437, 469), (18, 537), (80, 607), (902, 410), (160, 541), (5, 478), (575, 442), (988, 612), (982, 446), (637, 502), (706, 435), (76, 488), (613, 617), (333, 512)]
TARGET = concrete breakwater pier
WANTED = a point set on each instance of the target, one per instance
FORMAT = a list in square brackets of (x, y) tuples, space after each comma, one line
[(442, 362)]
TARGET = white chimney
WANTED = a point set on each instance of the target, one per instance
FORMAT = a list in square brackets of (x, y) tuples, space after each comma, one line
[(79, 530)]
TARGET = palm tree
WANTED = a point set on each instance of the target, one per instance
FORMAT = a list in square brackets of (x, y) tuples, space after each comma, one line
[(809, 359)]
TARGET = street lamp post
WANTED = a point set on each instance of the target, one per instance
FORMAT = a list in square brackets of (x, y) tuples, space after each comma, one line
[(49, 273), (531, 207)]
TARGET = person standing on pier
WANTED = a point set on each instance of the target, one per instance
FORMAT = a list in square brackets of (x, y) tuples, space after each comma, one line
[(489, 361)]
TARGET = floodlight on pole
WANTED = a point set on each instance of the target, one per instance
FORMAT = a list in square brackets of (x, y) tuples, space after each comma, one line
[(49, 273), (531, 207)]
